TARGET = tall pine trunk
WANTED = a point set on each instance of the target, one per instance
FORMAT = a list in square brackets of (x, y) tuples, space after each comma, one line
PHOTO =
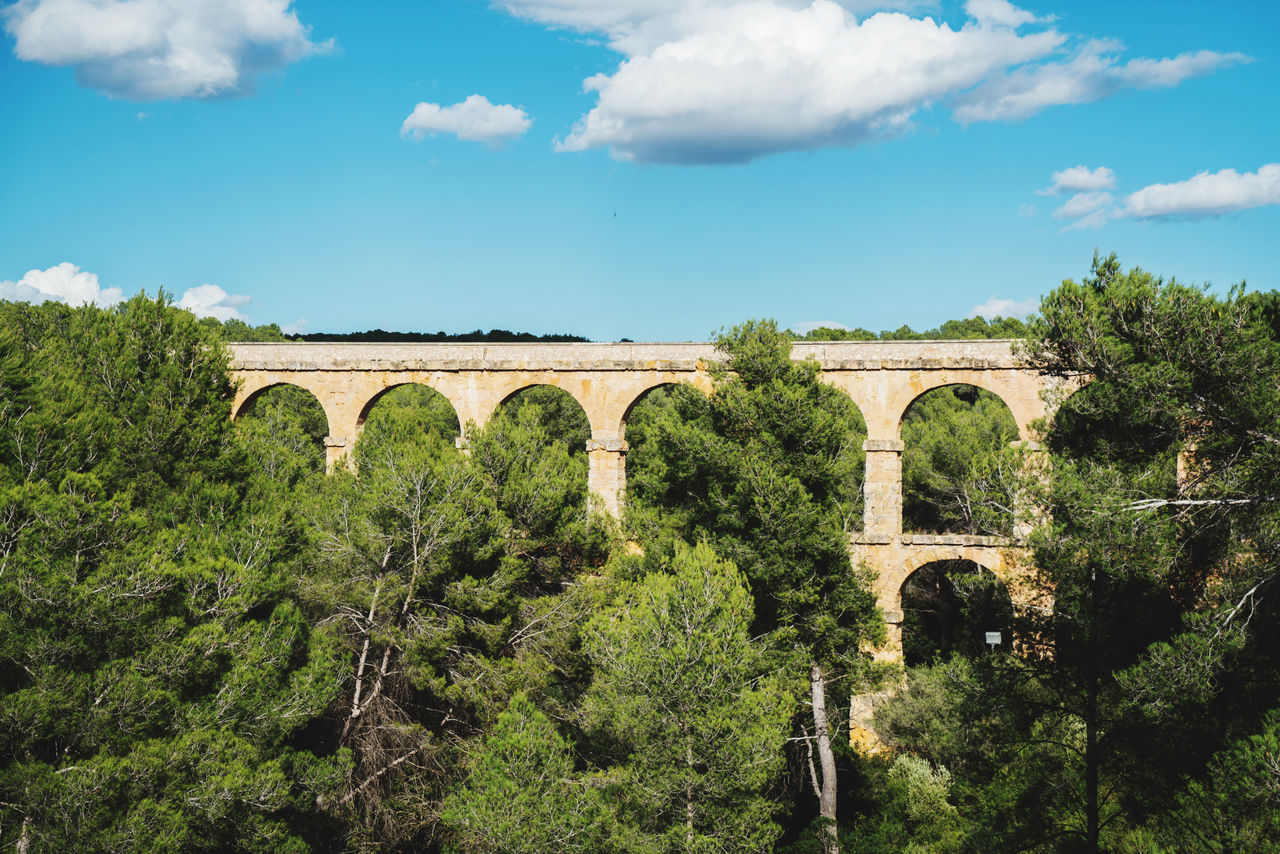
[(827, 786)]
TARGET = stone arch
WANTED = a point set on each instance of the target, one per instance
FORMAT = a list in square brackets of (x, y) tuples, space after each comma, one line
[(643, 394), (993, 427), (978, 381), (246, 399), (246, 396), (369, 404), (948, 605), (514, 393), (313, 419), (620, 447)]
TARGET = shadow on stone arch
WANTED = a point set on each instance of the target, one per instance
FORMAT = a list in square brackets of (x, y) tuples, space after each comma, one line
[(290, 422), (948, 607), (960, 463)]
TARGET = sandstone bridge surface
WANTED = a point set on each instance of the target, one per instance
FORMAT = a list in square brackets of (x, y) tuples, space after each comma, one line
[(882, 378)]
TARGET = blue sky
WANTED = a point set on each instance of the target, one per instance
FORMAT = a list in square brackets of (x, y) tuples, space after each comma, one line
[(441, 165)]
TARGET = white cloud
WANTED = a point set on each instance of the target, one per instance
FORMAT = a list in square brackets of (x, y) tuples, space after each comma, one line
[(997, 307), (1206, 194), (1079, 178), (1093, 219), (296, 327), (212, 301), (64, 282), (1082, 204), (147, 50), (716, 81), (1094, 72), (757, 77), (1027, 210), (810, 325), (474, 119), (1000, 12)]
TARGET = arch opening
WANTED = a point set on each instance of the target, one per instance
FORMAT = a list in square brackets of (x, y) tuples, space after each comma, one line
[(286, 427), (554, 411), (660, 422), (647, 423), (961, 463), (413, 402), (949, 607)]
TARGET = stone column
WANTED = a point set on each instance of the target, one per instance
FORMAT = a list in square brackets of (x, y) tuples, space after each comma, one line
[(334, 449), (1027, 513), (343, 414), (882, 509), (607, 472)]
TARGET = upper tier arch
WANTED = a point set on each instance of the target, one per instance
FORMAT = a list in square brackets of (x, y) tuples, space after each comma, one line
[(882, 378)]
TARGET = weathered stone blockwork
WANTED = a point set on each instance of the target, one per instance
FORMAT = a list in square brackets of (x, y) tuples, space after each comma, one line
[(881, 377)]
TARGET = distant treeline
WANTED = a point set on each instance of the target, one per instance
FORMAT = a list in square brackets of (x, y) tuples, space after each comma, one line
[(971, 327), (238, 330)]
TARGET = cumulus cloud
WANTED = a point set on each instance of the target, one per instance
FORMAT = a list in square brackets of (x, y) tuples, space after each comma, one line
[(1079, 178), (67, 283), (148, 50), (1092, 73), (474, 119), (715, 81), (64, 282), (212, 301), (1206, 194), (997, 307)]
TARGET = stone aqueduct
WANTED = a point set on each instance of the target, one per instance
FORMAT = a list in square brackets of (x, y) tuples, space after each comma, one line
[(881, 377)]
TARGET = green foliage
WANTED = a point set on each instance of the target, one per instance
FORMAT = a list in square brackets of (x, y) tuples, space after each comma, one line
[(560, 417), (234, 329), (521, 794), (284, 427), (684, 695), (914, 815), (1236, 806), (960, 473), (768, 470), (155, 670)]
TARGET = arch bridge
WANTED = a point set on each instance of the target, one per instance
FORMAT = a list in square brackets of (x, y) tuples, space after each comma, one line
[(882, 378)]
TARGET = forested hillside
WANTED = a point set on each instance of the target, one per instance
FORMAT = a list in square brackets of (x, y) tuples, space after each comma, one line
[(208, 644)]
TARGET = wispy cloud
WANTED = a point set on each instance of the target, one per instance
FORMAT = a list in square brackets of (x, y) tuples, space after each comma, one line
[(998, 307), (474, 119), (1204, 195), (1092, 73), (1079, 178), (148, 50)]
